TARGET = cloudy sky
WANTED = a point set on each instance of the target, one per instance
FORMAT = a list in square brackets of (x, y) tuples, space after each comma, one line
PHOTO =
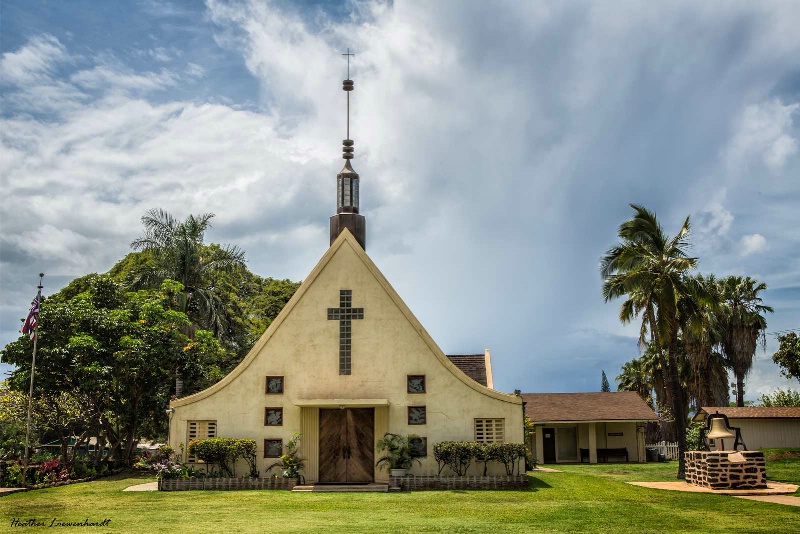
[(499, 145)]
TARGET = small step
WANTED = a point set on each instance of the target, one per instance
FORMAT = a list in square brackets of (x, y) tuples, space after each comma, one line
[(381, 488)]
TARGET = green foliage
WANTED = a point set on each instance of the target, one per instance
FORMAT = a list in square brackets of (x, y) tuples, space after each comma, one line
[(457, 455), (781, 397), (788, 355), (693, 440), (224, 452), (106, 361), (12, 478), (290, 462), (398, 453), (604, 385)]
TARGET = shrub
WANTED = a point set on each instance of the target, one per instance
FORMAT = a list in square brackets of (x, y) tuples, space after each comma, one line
[(290, 462), (223, 452), (693, 440), (165, 452), (13, 476), (399, 454), (486, 452), (509, 454), (457, 455)]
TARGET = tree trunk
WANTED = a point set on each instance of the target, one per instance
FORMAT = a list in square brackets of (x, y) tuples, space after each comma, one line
[(678, 409), (739, 389)]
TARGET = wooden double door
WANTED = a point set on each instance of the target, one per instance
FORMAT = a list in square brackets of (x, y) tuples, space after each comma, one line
[(347, 445)]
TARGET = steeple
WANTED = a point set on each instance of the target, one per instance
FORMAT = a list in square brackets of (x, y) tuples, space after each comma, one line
[(347, 182)]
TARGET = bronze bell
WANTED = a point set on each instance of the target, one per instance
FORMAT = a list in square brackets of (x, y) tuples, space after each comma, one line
[(719, 430)]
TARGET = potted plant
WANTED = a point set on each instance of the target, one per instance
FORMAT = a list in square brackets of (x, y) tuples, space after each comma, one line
[(290, 462), (398, 455)]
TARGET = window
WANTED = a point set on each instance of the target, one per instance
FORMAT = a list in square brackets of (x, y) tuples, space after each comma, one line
[(490, 430), (416, 383), (274, 385), (273, 448), (199, 430), (417, 415), (273, 416)]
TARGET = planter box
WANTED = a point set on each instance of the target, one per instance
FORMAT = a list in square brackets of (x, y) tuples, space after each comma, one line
[(433, 482), (184, 484)]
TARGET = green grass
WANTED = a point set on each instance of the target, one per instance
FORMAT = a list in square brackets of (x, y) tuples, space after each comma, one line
[(582, 498)]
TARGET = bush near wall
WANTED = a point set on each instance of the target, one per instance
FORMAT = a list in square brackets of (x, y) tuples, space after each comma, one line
[(459, 455), (224, 452)]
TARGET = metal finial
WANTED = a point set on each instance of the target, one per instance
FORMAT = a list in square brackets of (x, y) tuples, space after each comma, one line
[(348, 54), (347, 86)]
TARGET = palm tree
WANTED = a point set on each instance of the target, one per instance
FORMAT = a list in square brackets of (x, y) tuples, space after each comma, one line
[(743, 326), (633, 377), (701, 334), (178, 253), (649, 269)]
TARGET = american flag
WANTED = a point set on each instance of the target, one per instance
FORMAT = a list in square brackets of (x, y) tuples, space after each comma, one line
[(29, 327)]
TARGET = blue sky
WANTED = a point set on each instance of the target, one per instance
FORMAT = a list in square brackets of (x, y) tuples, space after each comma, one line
[(499, 144)]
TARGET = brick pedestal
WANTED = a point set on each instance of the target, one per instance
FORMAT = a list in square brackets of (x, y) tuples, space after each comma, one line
[(712, 469)]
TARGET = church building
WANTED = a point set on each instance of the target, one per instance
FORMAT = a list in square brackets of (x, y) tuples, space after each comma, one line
[(345, 362)]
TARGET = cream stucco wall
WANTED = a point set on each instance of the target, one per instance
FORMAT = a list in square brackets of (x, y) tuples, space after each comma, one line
[(768, 433), (388, 344), (632, 440)]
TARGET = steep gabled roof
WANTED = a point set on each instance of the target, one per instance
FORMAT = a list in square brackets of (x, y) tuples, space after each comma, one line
[(345, 239), (750, 412), (596, 406)]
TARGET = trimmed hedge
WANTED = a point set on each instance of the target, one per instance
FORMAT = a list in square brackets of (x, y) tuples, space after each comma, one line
[(223, 452), (458, 455)]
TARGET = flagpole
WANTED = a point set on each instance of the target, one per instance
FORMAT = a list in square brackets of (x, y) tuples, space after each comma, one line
[(30, 391)]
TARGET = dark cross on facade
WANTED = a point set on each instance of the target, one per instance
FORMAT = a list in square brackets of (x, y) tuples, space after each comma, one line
[(345, 313)]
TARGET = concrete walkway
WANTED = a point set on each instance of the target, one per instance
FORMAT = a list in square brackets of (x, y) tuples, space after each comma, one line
[(148, 486), (9, 491), (545, 470), (778, 499), (772, 489)]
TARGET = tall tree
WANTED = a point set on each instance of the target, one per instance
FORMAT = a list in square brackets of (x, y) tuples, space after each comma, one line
[(701, 334), (178, 253), (633, 377), (604, 386), (788, 355), (743, 325), (649, 269)]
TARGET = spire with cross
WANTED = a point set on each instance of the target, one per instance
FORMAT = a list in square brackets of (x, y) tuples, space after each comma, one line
[(347, 181)]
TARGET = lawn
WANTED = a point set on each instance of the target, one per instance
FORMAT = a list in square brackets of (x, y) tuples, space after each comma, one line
[(581, 498)]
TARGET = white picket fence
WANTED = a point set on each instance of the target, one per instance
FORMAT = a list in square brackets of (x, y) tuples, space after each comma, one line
[(668, 449)]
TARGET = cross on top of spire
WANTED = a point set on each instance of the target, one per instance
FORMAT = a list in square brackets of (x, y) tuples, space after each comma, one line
[(348, 54)]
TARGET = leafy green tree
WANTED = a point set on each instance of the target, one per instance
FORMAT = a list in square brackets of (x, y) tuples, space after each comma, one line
[(115, 352), (781, 398), (743, 325), (649, 269), (788, 355), (604, 386), (177, 253)]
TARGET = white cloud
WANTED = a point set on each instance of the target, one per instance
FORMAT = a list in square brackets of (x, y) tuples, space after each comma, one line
[(750, 244), (33, 62), (764, 133), (498, 146)]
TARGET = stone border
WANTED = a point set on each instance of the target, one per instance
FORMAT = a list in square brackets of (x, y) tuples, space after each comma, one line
[(433, 482), (225, 484)]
